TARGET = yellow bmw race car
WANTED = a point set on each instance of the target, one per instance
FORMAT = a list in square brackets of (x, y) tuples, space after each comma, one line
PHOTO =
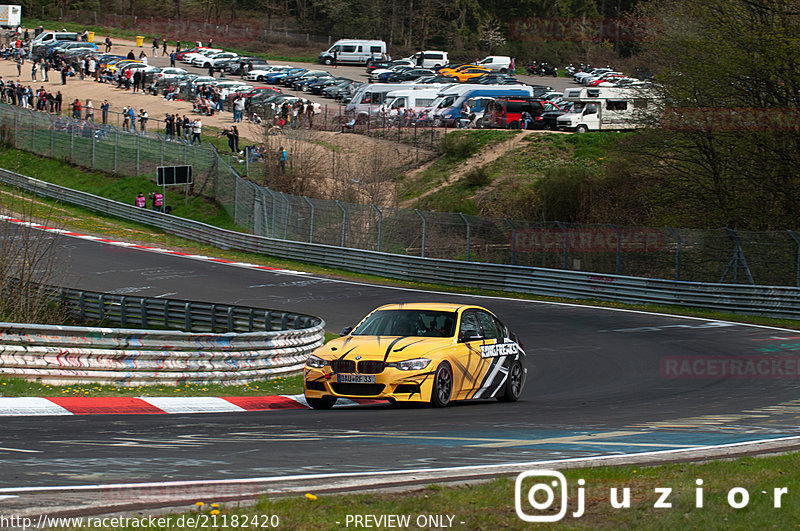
[(424, 352)]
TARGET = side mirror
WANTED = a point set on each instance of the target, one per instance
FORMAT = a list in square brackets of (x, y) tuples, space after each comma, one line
[(346, 330)]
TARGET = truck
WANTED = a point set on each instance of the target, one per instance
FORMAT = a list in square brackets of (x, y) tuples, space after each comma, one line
[(10, 16), (609, 109)]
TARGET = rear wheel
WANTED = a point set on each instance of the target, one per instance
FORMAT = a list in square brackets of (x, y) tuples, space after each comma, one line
[(325, 402), (513, 387), (442, 385)]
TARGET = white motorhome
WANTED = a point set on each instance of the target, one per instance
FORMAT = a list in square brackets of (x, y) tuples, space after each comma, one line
[(399, 101), (10, 16), (369, 98), (353, 51), (608, 109)]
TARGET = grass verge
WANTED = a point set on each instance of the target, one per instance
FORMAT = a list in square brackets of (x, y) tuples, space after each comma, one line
[(490, 505)]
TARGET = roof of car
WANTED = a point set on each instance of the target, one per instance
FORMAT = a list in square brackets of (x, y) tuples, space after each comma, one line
[(444, 307)]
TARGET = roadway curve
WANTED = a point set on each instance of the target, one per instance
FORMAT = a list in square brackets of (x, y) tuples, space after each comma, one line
[(595, 387)]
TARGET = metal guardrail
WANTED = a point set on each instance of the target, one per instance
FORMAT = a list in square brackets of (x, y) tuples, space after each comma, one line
[(774, 301), (215, 343)]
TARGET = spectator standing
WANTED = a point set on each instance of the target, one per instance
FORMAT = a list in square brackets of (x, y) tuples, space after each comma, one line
[(164, 46), (104, 111), (143, 117), (108, 43), (158, 201), (91, 67), (172, 59), (155, 46), (137, 80), (89, 110), (335, 57), (45, 68), (140, 201), (283, 156), (76, 109), (238, 109), (126, 119), (130, 55), (64, 74), (58, 100), (197, 129), (34, 66), (187, 127), (132, 116), (81, 66)]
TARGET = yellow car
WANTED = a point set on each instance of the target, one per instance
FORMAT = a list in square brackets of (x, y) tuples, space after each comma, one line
[(424, 352), (466, 74), (449, 72)]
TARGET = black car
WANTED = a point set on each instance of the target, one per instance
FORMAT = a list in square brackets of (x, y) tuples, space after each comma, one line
[(238, 66), (409, 75), (549, 118), (321, 84), (496, 79), (303, 82)]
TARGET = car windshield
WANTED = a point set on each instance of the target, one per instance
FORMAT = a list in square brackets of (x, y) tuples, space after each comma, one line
[(419, 323)]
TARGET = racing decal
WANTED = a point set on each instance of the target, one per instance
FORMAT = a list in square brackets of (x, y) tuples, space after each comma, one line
[(499, 349)]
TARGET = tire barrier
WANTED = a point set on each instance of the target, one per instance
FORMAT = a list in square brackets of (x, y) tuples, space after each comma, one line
[(219, 344)]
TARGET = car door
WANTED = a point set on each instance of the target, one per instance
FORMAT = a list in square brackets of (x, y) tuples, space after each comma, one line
[(469, 366)]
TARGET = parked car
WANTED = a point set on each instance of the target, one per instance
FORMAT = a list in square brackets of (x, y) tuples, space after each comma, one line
[(409, 75)]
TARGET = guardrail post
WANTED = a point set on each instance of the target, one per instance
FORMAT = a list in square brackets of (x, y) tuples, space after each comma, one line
[(513, 241), (311, 221), (380, 226), (619, 247), (344, 221), (268, 320), (466, 222), (123, 311), (678, 254), (101, 308), (737, 260), (187, 316), (230, 319), (565, 251), (796, 239), (213, 318), (250, 320), (424, 231), (284, 320), (81, 306), (166, 314), (143, 312)]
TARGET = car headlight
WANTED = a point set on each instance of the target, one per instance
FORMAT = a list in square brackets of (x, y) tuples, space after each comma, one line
[(416, 364), (315, 362)]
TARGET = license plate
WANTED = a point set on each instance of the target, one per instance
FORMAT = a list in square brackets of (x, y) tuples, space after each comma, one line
[(356, 378)]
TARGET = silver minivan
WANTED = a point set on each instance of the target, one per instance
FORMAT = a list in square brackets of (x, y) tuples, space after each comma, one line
[(353, 51)]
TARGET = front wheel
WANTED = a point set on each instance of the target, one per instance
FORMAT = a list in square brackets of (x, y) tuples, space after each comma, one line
[(581, 129), (442, 385), (328, 61), (325, 402), (512, 390)]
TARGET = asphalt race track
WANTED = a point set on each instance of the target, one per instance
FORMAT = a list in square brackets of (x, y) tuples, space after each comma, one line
[(598, 384)]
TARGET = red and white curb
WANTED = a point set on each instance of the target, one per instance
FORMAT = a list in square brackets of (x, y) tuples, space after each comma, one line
[(154, 405), (159, 250)]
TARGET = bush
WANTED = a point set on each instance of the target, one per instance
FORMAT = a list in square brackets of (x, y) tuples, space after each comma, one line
[(477, 177)]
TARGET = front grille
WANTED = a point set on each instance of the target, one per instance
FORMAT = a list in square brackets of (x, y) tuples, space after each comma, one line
[(315, 386), (343, 366), (370, 366), (357, 389)]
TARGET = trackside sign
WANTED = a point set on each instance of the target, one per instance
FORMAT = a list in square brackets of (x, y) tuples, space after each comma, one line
[(587, 240)]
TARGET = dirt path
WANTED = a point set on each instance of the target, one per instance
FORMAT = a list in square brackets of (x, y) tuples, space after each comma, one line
[(482, 158)]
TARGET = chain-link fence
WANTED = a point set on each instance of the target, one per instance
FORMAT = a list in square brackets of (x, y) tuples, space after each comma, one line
[(719, 256)]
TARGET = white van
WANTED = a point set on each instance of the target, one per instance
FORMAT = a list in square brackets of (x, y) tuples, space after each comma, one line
[(446, 108), (608, 109), (429, 59), (46, 38), (498, 63), (353, 51)]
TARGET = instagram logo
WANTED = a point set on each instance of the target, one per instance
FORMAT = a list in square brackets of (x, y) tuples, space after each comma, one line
[(540, 496)]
